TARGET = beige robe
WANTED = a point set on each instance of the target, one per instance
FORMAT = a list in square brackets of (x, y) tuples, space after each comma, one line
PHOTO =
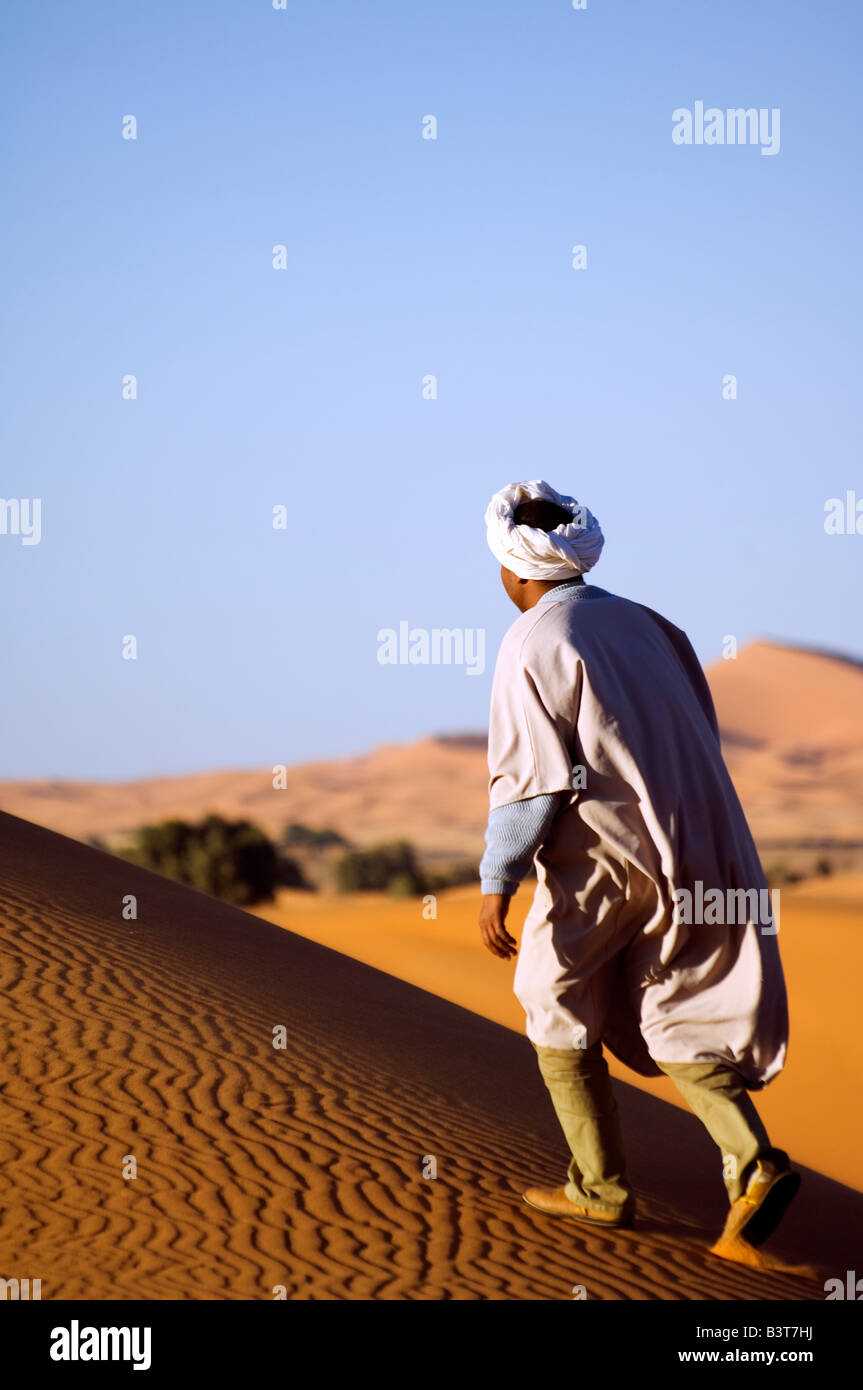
[(589, 680)]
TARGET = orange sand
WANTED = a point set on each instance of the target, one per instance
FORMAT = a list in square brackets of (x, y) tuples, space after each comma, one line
[(303, 1167), (806, 1109)]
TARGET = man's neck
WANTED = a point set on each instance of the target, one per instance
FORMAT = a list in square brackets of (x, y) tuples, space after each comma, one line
[(547, 587), (527, 593)]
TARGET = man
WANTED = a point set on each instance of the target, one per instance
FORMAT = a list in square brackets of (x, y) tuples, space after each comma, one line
[(650, 929)]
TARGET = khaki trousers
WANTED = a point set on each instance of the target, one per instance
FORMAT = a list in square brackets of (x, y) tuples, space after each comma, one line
[(580, 1088)]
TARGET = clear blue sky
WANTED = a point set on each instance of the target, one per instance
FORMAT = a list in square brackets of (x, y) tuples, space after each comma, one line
[(405, 257)]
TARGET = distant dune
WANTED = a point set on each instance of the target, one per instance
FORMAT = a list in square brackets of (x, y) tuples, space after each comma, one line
[(302, 1168), (792, 735), (432, 792), (792, 729)]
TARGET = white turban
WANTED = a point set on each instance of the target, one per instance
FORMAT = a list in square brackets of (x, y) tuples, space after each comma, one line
[(530, 553)]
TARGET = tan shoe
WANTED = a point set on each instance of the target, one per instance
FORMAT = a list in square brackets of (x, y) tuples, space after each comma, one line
[(554, 1202), (755, 1215)]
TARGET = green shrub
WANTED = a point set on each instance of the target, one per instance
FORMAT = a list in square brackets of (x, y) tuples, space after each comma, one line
[(453, 877), (402, 886), (372, 870), (289, 873), (780, 876), (305, 837), (231, 860)]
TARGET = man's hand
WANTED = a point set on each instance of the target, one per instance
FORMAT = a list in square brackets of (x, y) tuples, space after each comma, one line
[(491, 925)]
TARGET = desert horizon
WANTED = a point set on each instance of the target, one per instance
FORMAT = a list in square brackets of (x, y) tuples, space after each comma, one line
[(798, 780)]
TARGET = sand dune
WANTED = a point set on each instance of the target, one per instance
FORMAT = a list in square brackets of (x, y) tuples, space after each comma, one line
[(793, 741), (805, 1109), (302, 1167), (792, 736), (368, 798)]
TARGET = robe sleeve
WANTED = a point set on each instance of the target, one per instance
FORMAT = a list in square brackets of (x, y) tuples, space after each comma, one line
[(531, 727)]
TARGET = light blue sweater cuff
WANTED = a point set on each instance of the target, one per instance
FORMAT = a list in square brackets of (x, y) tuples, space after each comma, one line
[(514, 834), (504, 886)]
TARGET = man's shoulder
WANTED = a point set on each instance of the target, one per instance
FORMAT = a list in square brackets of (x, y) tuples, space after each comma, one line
[(542, 629), (525, 624), (522, 634), (566, 619), (665, 623), (567, 615)]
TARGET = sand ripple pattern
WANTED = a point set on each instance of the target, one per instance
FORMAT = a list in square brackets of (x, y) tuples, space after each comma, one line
[(258, 1167)]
